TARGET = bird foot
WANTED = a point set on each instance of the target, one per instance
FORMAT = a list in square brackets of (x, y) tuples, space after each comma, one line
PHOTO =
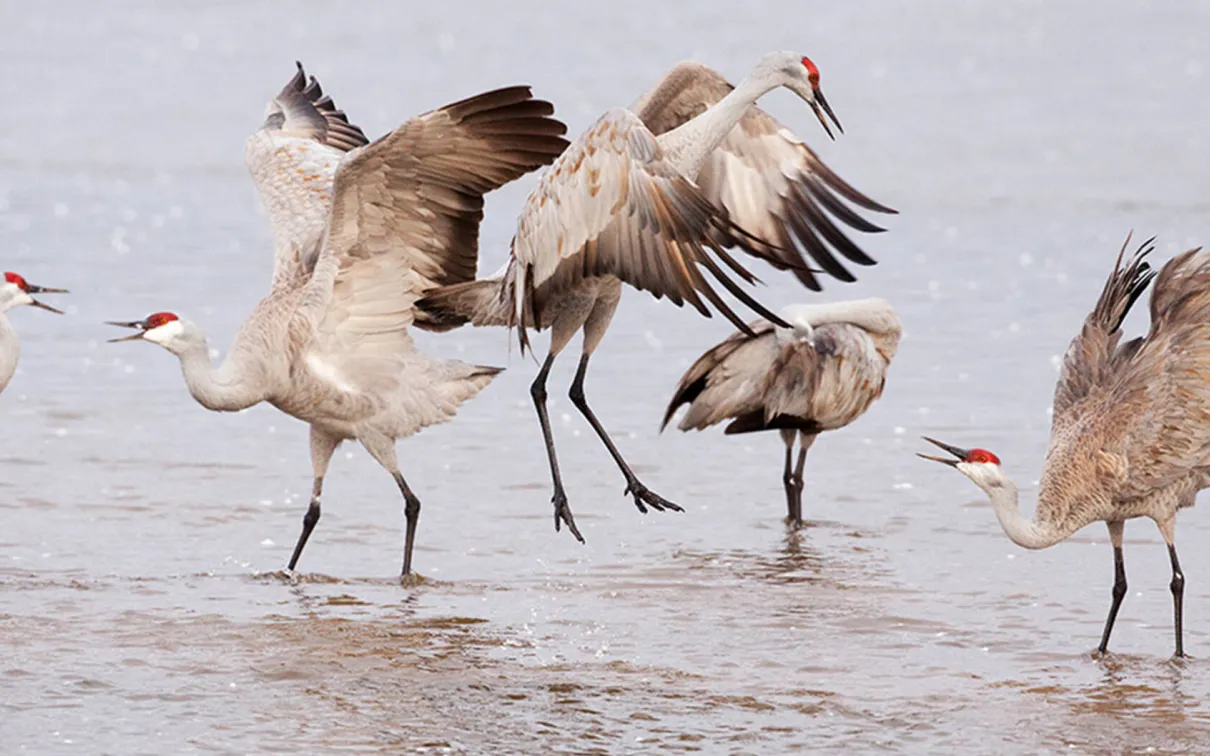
[(412, 580), (563, 514), (286, 576), (645, 496)]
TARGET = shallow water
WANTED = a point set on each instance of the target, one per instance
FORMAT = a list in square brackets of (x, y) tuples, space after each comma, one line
[(141, 610)]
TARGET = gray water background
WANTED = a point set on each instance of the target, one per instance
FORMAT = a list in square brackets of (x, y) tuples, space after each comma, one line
[(139, 609)]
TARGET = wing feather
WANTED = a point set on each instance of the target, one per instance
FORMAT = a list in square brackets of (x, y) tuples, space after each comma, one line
[(293, 158), (774, 187), (1131, 420), (613, 205), (1089, 357), (405, 217), (1163, 381), (726, 381), (815, 383)]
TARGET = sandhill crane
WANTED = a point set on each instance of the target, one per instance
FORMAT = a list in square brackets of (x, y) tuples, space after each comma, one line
[(1131, 430), (621, 206), (361, 230), (820, 374), (14, 292)]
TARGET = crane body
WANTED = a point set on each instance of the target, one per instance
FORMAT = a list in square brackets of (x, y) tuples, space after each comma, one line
[(819, 374), (361, 230), (1130, 435), (652, 197)]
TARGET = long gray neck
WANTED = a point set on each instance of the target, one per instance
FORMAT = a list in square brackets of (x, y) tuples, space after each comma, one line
[(230, 388), (690, 144), (10, 351), (1031, 534)]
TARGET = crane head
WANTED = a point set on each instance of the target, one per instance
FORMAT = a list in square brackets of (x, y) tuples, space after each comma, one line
[(21, 292), (972, 456), (158, 328), (800, 75), (980, 465)]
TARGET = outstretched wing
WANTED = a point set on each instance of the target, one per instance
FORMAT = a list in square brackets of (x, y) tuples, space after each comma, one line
[(1162, 391), (613, 205), (774, 187), (405, 217), (293, 159), (1090, 359)]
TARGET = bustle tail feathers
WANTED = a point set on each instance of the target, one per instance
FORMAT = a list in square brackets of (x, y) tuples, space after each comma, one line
[(476, 302)]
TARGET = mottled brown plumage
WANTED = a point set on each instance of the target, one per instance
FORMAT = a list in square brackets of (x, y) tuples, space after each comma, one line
[(821, 374), (312, 115), (1131, 430), (773, 186), (361, 231), (626, 204)]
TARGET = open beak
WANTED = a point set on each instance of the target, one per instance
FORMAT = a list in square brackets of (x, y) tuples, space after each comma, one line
[(961, 454), (43, 290), (140, 324), (820, 106)]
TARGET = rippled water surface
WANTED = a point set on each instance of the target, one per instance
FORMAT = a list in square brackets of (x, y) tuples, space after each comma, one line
[(141, 607)]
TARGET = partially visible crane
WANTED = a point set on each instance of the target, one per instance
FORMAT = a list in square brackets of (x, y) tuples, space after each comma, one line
[(1131, 430), (15, 292), (361, 231), (819, 374), (652, 199)]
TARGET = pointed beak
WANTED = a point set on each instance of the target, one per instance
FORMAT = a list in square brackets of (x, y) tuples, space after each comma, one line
[(820, 105), (45, 306), (961, 454), (141, 325), (44, 290)]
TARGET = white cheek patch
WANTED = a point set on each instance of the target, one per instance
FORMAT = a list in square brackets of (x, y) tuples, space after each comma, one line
[(165, 333)]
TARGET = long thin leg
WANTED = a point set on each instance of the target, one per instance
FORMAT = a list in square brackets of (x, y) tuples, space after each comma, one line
[(382, 448), (787, 475), (322, 447), (563, 513), (411, 510), (1116, 530), (793, 478), (309, 521), (1177, 586), (796, 514), (642, 494)]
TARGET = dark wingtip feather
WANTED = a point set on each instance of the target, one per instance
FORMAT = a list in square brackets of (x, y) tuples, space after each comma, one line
[(1125, 285), (303, 98), (683, 396)]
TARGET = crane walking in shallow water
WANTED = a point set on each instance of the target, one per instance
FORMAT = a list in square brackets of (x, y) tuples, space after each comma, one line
[(820, 374), (650, 197), (361, 231), (1131, 430), (14, 292)]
